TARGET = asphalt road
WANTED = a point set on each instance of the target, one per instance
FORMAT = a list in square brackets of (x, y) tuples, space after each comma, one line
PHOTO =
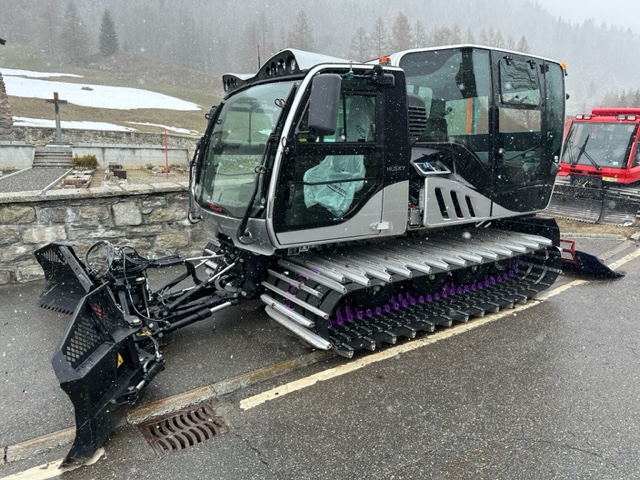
[(546, 391)]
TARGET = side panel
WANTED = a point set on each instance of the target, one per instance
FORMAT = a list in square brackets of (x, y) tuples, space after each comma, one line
[(383, 215), (358, 226), (450, 202)]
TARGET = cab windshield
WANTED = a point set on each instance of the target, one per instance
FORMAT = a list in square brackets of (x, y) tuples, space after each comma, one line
[(599, 144), (236, 147)]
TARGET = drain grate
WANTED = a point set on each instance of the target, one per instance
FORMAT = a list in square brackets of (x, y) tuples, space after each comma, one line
[(182, 429)]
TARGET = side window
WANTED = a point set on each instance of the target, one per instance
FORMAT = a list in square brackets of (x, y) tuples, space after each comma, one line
[(512, 120), (555, 98), (520, 124), (331, 176), (519, 84), (356, 119), (455, 86)]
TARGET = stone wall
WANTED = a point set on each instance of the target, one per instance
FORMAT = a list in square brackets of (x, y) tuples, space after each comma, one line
[(132, 157), (130, 149), (43, 136), (150, 218), (6, 120)]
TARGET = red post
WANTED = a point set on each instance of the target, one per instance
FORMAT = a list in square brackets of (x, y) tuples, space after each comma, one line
[(166, 156)]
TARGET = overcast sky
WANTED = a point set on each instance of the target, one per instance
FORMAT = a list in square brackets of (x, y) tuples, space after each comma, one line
[(623, 13)]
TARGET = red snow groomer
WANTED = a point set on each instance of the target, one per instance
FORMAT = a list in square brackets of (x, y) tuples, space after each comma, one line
[(599, 178)]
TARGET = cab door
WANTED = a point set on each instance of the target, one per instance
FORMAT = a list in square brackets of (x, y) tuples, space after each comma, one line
[(529, 107), (329, 182)]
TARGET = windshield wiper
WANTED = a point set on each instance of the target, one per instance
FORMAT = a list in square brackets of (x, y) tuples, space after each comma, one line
[(583, 151)]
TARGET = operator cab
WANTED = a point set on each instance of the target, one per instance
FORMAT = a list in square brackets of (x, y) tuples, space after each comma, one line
[(494, 116), (314, 149)]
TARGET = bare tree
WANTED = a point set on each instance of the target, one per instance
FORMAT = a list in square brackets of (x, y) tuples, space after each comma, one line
[(401, 33), (360, 45), (301, 35), (379, 37), (420, 38)]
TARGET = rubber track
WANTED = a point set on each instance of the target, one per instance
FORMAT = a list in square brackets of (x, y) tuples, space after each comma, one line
[(525, 272)]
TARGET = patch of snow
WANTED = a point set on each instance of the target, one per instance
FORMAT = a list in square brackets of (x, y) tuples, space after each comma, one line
[(97, 96), (167, 127), (31, 74), (37, 122)]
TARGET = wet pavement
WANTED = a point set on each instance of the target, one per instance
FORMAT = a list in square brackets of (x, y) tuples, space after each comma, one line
[(549, 391)]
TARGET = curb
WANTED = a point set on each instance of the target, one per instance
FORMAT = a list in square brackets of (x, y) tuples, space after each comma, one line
[(602, 236), (174, 403)]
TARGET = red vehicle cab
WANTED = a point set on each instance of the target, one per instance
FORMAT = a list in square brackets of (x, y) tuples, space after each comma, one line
[(603, 145)]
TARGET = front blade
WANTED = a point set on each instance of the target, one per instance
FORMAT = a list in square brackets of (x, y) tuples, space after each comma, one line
[(619, 210), (591, 266), (67, 281), (100, 368), (575, 208), (593, 205)]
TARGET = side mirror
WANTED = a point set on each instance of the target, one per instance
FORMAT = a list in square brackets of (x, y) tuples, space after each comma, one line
[(323, 103), (209, 115)]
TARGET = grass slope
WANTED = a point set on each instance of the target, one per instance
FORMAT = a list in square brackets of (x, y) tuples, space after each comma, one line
[(124, 70)]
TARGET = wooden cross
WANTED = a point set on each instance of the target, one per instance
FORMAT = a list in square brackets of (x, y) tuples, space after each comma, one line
[(56, 102)]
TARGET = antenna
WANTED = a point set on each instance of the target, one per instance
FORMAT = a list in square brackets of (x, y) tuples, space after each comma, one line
[(259, 63)]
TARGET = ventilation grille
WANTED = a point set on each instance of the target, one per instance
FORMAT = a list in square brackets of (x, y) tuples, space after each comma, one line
[(451, 207), (417, 117)]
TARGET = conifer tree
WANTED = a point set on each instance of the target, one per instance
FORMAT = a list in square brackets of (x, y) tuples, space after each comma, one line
[(469, 37), (108, 41), (623, 99), (523, 45), (74, 37), (420, 38)]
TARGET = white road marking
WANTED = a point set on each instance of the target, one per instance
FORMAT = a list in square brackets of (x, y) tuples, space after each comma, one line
[(352, 366), (562, 288), (51, 469), (625, 259), (386, 354)]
